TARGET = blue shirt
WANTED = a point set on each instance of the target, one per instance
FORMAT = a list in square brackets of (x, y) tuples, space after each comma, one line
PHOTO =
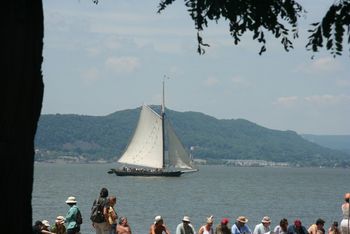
[(242, 230)]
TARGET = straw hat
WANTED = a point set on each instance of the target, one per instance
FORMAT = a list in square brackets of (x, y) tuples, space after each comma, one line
[(210, 220), (242, 219), (71, 200), (186, 219)]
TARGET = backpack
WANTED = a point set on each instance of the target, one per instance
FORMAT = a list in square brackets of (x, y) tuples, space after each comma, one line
[(97, 212), (79, 218)]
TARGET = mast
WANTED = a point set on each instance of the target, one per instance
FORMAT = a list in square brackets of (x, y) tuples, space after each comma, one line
[(163, 132)]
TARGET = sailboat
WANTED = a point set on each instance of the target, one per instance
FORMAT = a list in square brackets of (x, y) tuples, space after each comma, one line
[(154, 149)]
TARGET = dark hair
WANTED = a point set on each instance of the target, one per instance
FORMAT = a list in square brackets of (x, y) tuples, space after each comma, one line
[(320, 221), (283, 221), (104, 192), (37, 223), (335, 224)]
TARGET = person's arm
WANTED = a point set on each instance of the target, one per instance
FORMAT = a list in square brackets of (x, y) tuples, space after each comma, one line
[(178, 229), (217, 230), (233, 229), (194, 231), (166, 229), (46, 231), (311, 230), (200, 231), (256, 229), (151, 229), (247, 229)]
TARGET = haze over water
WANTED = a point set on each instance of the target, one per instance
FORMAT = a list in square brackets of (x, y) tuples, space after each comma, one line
[(305, 193)]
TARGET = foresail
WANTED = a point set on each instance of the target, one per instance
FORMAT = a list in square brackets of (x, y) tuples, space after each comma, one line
[(177, 154), (146, 146)]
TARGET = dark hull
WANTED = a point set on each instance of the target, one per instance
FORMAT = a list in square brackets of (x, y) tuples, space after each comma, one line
[(119, 172)]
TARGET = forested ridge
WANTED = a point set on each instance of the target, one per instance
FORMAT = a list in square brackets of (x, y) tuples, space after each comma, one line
[(215, 140)]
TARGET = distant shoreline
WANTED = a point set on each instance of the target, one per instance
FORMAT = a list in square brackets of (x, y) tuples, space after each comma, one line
[(59, 161)]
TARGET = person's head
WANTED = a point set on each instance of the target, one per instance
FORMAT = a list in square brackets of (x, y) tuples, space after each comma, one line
[(186, 220), (123, 220), (104, 192), (224, 221), (297, 223), (284, 224), (112, 200), (210, 221), (60, 220), (266, 221), (158, 220), (71, 201), (39, 224), (46, 224), (335, 224), (241, 220), (347, 197), (320, 223)]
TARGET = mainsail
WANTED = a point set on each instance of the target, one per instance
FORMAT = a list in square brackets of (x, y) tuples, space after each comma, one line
[(146, 146)]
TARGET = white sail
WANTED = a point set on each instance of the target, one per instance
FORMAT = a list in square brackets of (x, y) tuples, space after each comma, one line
[(178, 156), (146, 147)]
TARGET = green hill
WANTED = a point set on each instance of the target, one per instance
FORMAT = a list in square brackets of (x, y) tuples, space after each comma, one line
[(105, 137)]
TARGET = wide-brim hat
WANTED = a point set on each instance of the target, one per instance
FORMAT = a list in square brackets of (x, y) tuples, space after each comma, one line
[(242, 219), (186, 219), (71, 200), (266, 219), (60, 219), (158, 219)]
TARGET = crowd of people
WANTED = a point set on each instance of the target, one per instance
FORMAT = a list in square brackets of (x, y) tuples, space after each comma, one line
[(110, 224)]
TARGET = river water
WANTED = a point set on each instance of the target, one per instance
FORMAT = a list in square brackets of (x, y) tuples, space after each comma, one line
[(305, 193)]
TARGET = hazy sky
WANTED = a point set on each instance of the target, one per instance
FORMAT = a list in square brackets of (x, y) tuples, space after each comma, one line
[(102, 58)]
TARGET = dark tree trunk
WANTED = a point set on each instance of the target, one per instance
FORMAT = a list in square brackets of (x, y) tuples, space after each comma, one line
[(21, 87)]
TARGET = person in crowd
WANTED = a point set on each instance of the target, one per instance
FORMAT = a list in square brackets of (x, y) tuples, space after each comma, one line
[(38, 226), (59, 227), (317, 227), (240, 226), (334, 229), (102, 227), (46, 227), (158, 226), (345, 222), (112, 214), (297, 228), (222, 227), (282, 227), (71, 217), (123, 226), (263, 227), (185, 227), (207, 228)]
